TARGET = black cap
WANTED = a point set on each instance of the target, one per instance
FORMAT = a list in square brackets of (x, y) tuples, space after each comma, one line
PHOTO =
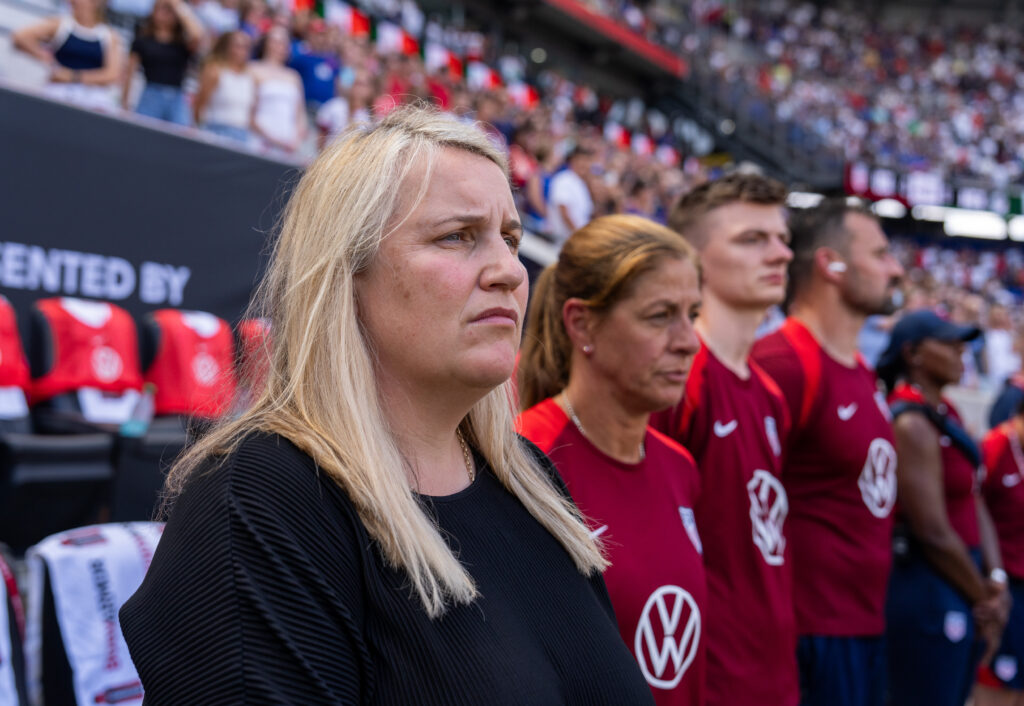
[(915, 327)]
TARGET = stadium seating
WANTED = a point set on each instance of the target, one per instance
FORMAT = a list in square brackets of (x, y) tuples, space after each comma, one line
[(47, 482), (84, 359)]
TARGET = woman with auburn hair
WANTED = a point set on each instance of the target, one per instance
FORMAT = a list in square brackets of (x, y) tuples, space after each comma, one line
[(609, 341), (371, 529)]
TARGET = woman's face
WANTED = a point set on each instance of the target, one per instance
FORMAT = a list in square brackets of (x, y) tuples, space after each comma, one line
[(163, 15), (239, 49), (941, 361), (277, 47), (361, 90), (443, 301), (645, 344), (86, 10)]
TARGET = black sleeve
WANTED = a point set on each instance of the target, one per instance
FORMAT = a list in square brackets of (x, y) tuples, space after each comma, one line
[(255, 591)]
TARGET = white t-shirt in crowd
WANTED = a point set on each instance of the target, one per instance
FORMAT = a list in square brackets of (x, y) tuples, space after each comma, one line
[(569, 189), (217, 18), (1002, 360)]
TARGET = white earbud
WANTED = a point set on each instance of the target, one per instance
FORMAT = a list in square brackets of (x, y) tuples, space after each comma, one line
[(837, 267)]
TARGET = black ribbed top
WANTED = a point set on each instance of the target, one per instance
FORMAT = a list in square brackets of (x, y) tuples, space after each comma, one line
[(267, 589)]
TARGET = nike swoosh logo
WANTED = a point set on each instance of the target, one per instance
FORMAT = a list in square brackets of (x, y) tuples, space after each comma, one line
[(846, 412), (599, 531), (1011, 480), (723, 430)]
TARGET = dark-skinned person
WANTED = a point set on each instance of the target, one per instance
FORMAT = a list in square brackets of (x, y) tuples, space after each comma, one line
[(948, 598)]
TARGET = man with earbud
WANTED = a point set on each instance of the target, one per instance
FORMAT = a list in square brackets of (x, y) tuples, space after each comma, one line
[(840, 464)]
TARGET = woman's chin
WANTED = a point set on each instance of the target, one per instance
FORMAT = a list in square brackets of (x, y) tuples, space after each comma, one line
[(486, 373)]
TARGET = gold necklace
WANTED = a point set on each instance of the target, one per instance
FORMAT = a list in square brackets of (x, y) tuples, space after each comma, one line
[(470, 469), (583, 432)]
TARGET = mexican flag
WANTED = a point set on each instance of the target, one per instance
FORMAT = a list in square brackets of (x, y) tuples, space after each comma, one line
[(392, 39), (642, 145), (437, 56), (347, 18), (617, 135), (667, 155), (524, 95), (481, 77)]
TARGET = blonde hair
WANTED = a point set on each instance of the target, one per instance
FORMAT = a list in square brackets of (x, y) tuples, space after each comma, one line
[(599, 264), (319, 391)]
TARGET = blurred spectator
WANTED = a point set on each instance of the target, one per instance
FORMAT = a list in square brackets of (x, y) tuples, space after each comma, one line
[(83, 54), (317, 63), (1003, 359), (163, 45), (570, 205), (528, 173), (279, 117), (253, 18), (227, 89), (1011, 395), (348, 107), (642, 201), (489, 112)]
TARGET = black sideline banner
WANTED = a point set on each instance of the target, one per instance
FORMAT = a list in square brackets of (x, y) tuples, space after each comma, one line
[(98, 207)]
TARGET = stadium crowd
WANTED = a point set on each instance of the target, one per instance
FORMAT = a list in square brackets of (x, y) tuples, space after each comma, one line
[(976, 287), (286, 81), (913, 95)]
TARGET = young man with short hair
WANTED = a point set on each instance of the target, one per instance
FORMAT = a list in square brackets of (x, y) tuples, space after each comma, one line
[(570, 204), (840, 463), (734, 421)]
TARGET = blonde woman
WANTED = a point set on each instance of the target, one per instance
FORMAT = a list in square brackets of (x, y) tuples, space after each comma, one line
[(372, 530)]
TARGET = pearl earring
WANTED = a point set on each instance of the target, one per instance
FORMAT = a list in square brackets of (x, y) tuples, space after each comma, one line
[(588, 349)]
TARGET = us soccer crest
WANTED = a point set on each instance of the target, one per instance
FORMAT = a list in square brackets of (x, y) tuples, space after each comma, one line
[(955, 626), (1005, 667)]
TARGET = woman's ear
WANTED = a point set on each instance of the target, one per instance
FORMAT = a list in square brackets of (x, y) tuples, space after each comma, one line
[(579, 320)]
